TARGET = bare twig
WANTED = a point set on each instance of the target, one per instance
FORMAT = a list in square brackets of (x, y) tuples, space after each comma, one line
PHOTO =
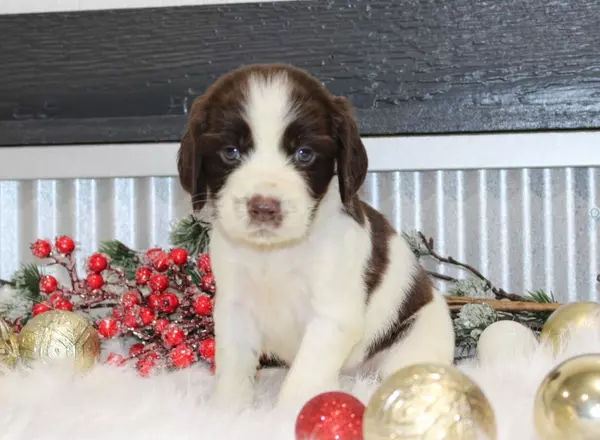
[(510, 306), (439, 276), (499, 293), (7, 283)]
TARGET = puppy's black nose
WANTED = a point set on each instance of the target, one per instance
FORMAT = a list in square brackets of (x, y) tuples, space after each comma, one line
[(264, 210)]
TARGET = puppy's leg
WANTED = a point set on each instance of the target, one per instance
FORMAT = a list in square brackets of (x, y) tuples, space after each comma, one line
[(430, 340), (237, 340), (329, 338)]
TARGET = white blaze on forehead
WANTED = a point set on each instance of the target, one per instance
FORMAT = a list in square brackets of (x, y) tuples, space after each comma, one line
[(268, 109)]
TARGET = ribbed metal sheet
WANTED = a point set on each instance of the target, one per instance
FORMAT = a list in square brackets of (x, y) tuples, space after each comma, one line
[(525, 229)]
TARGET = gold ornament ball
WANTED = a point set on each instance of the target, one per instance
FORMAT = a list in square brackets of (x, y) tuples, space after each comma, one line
[(567, 403), (429, 401), (9, 348), (62, 336), (569, 317)]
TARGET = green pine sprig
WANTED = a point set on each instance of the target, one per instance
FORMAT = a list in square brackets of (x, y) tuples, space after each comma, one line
[(191, 234), (27, 279), (121, 256)]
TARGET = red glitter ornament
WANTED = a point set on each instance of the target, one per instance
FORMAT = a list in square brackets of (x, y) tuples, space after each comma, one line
[(208, 283), (206, 349), (203, 305), (132, 318), (39, 308), (65, 244), (97, 263), (182, 356), (179, 256), (332, 415), (108, 327), (142, 275), (159, 282), (54, 299), (203, 264), (64, 304), (173, 335), (48, 284), (170, 303), (41, 249), (130, 299), (95, 281), (155, 301)]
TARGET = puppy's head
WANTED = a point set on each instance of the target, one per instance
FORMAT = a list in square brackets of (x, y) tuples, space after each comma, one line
[(262, 147)]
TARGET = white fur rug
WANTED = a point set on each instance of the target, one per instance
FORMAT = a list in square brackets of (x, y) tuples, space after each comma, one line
[(113, 403)]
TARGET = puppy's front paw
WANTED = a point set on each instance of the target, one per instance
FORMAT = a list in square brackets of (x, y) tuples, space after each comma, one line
[(233, 392), (298, 393)]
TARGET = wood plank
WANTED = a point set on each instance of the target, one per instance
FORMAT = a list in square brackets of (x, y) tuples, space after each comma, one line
[(414, 67)]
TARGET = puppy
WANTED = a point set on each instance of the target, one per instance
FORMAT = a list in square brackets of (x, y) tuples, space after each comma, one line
[(306, 272)]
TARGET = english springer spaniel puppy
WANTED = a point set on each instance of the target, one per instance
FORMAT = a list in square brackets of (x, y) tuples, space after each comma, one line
[(306, 272)]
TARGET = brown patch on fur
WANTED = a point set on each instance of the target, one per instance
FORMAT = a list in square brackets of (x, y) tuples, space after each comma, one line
[(381, 232), (420, 294)]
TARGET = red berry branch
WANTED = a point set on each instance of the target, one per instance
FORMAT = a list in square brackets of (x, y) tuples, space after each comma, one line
[(162, 306)]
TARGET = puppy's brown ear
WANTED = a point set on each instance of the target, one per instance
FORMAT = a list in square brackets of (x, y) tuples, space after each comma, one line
[(352, 160), (189, 158)]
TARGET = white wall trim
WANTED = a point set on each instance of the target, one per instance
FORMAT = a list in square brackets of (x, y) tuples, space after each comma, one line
[(448, 152)]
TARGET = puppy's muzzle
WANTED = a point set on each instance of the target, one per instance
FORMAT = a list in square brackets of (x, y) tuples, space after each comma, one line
[(265, 211)]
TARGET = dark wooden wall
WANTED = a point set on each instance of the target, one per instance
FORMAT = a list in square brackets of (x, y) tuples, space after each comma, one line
[(409, 67)]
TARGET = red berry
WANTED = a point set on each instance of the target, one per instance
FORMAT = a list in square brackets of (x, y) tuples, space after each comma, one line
[(118, 313), (170, 303), (64, 304), (208, 283), (136, 349), (108, 327), (182, 356), (160, 325), (145, 366), (39, 308), (41, 249), (206, 349), (48, 284), (142, 275), (95, 281), (203, 305), (97, 263), (54, 299), (65, 244), (159, 282), (160, 259), (132, 318), (115, 359), (130, 299), (179, 256), (147, 315), (173, 335), (203, 264), (155, 301)]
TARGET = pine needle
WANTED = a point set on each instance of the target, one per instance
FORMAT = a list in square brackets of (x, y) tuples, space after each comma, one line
[(27, 280), (121, 256), (541, 297), (191, 234)]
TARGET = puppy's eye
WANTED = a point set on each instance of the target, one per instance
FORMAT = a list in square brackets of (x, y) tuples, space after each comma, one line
[(305, 155), (230, 154)]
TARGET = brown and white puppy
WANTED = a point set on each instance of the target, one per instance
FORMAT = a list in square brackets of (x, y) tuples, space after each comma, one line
[(305, 271)]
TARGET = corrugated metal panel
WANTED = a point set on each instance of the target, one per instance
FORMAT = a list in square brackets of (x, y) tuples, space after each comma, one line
[(525, 229)]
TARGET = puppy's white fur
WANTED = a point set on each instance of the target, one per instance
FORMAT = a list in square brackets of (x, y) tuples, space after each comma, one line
[(297, 291)]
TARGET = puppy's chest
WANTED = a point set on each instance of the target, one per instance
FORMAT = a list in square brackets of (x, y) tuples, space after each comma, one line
[(280, 302)]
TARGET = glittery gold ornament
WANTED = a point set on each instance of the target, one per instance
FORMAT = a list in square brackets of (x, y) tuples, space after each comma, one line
[(429, 401), (59, 335), (569, 317), (567, 404), (9, 348)]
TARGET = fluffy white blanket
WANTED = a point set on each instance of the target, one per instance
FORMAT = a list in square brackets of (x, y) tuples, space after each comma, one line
[(113, 403)]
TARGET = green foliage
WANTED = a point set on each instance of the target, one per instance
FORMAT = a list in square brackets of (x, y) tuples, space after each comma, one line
[(27, 280), (191, 234), (121, 256)]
